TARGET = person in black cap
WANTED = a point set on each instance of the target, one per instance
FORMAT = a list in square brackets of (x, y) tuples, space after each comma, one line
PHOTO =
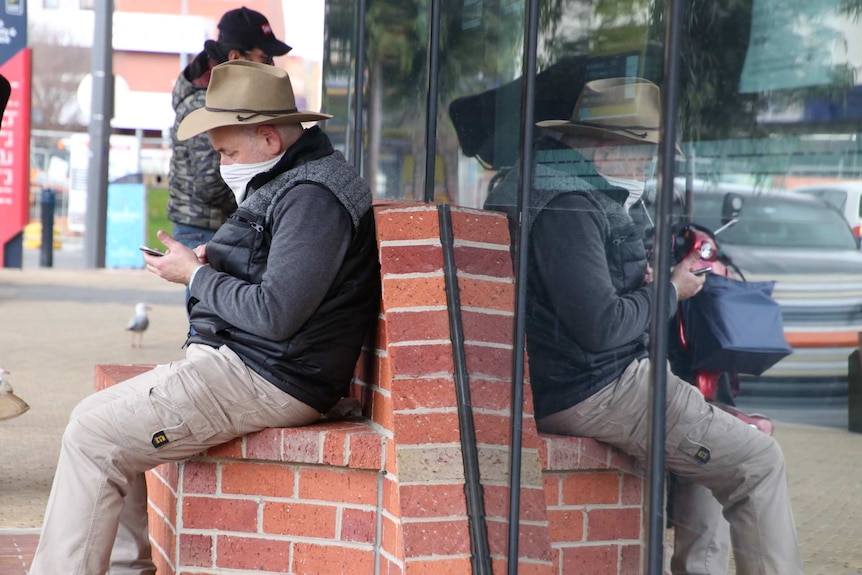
[(200, 199)]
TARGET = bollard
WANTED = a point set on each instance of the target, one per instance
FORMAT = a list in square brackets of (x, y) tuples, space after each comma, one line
[(47, 201), (854, 393)]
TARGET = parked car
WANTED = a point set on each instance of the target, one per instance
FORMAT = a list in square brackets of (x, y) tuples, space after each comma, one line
[(809, 250), (846, 196)]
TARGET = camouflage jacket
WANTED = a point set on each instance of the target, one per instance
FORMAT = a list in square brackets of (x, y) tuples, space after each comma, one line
[(198, 195)]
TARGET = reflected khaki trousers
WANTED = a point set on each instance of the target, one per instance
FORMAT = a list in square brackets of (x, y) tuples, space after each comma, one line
[(701, 535), (96, 519), (741, 467)]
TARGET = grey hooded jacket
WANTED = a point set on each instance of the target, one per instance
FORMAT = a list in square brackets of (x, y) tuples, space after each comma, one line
[(588, 308), (293, 282)]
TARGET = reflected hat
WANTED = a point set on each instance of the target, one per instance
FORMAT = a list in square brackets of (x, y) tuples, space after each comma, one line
[(245, 93), (246, 27), (620, 108)]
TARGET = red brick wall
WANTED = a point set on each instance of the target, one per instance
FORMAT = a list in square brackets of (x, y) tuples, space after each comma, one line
[(593, 496), (416, 383), (386, 494), (414, 378)]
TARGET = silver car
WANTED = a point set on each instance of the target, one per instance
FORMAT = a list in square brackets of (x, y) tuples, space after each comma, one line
[(809, 250), (845, 195)]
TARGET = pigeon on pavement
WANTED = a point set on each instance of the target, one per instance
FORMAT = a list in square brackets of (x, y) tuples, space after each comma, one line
[(139, 323), (10, 404)]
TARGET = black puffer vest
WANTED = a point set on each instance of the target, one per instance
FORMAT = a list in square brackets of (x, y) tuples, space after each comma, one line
[(562, 373), (315, 364)]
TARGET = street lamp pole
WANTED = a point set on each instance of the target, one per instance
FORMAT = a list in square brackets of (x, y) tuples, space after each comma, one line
[(101, 112)]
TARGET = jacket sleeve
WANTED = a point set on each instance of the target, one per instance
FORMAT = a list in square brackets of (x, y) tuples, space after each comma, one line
[(311, 234), (570, 263)]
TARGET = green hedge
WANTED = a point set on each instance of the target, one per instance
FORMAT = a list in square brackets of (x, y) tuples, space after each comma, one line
[(157, 215)]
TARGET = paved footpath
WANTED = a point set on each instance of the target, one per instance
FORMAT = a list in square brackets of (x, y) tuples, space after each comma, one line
[(57, 324), (16, 551)]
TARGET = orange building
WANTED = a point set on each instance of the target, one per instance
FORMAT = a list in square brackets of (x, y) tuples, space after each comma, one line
[(154, 39)]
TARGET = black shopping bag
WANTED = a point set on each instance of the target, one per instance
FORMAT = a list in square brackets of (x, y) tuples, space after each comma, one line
[(734, 326)]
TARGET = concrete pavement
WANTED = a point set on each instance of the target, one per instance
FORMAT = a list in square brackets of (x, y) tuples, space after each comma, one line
[(57, 324)]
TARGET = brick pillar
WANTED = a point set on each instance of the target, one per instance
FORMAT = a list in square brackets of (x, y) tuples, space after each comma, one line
[(425, 507)]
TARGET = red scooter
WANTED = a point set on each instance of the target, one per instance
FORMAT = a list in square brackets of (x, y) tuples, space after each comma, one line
[(717, 387)]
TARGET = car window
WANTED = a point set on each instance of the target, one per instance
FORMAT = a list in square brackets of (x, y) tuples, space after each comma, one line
[(772, 221), (835, 198)]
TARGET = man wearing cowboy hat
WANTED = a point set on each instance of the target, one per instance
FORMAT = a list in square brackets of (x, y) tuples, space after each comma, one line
[(589, 297), (281, 300)]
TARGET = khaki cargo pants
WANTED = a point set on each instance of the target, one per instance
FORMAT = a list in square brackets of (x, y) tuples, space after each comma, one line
[(741, 467), (96, 517)]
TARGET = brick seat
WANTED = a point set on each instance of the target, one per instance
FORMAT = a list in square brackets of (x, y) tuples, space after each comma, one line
[(295, 500), (593, 498), (291, 500)]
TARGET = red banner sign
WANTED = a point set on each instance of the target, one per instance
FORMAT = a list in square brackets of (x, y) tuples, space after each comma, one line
[(15, 159)]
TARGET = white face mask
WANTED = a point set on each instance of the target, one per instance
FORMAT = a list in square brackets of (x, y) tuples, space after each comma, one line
[(634, 187), (237, 176)]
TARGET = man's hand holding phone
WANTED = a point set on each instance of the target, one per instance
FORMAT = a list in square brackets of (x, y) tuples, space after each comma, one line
[(175, 265), (688, 281)]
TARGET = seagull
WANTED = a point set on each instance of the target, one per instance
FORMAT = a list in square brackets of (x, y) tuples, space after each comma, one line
[(139, 323), (10, 404)]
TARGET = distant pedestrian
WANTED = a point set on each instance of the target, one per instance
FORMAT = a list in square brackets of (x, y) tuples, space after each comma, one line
[(200, 199)]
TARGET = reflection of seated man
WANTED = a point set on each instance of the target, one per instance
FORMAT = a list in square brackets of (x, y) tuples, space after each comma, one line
[(589, 298)]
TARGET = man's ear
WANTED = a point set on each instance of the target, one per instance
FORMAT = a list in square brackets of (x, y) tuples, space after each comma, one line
[(235, 55), (270, 137)]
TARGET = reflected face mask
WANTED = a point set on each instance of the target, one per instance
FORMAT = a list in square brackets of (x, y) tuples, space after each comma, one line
[(634, 187)]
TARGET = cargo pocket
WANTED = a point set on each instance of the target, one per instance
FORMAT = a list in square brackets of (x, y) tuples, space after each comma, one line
[(186, 409), (712, 441)]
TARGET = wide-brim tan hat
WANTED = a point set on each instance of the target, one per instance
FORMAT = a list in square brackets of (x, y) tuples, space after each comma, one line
[(619, 108), (243, 93)]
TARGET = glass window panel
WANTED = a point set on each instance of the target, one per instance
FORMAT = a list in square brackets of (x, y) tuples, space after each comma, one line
[(769, 102)]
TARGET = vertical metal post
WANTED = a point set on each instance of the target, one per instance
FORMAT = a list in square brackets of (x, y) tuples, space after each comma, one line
[(184, 57), (47, 202), (139, 142), (431, 102), (654, 516), (479, 548), (358, 88), (525, 152), (101, 112), (690, 167)]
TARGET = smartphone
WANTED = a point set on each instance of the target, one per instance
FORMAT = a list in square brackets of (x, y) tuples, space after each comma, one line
[(701, 271), (151, 251)]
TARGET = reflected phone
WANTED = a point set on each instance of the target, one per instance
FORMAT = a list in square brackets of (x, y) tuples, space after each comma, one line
[(151, 251), (701, 271)]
